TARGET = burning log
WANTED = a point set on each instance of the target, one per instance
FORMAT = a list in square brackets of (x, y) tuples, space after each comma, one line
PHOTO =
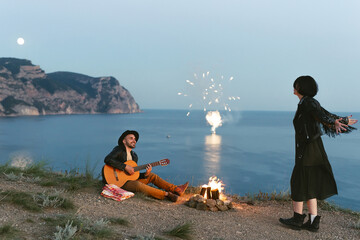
[(208, 192), (203, 191), (215, 194)]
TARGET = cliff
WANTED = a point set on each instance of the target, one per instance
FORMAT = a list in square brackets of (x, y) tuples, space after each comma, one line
[(25, 89)]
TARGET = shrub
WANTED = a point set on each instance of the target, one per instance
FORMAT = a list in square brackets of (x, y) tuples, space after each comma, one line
[(65, 233)]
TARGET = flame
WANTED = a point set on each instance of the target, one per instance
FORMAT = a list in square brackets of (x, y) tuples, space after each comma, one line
[(214, 119), (215, 183)]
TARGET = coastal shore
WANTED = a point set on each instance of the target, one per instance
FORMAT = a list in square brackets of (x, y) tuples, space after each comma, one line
[(147, 218)]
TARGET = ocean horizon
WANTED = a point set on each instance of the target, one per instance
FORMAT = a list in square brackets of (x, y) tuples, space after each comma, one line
[(252, 151)]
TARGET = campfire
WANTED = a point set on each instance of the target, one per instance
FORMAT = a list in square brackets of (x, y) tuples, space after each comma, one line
[(211, 197)]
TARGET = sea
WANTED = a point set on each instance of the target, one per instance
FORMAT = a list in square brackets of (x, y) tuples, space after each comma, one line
[(252, 151)]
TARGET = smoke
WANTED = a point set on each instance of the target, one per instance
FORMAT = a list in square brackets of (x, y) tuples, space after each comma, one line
[(231, 118), (21, 160)]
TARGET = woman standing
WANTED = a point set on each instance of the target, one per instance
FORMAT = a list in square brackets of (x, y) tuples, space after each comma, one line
[(312, 177)]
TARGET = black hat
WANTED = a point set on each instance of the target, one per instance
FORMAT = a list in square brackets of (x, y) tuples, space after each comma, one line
[(127, 132)]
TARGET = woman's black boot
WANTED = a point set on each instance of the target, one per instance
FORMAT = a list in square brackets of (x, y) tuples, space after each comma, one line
[(295, 222), (314, 226)]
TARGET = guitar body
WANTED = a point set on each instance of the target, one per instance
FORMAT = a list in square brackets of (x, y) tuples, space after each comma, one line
[(118, 177)]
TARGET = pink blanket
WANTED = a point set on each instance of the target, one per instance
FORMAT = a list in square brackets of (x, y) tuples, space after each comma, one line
[(114, 192)]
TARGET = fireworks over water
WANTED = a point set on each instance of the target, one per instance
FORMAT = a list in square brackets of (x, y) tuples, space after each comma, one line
[(209, 92)]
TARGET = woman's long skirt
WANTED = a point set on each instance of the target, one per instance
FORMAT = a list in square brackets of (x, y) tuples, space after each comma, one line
[(312, 176)]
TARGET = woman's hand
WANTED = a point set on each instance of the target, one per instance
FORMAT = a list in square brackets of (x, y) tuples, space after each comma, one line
[(351, 121), (148, 170), (341, 126)]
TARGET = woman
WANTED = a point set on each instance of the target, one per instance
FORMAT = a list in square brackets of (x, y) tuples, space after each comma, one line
[(312, 177)]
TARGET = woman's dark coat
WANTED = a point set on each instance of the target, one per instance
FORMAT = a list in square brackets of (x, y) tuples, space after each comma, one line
[(312, 176)]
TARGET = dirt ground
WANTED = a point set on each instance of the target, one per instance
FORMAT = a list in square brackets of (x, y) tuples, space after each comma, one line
[(153, 217)]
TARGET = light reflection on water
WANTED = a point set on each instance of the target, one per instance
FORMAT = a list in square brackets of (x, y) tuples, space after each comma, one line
[(212, 154)]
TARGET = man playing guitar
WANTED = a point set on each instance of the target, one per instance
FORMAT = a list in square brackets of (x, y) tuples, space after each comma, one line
[(123, 153)]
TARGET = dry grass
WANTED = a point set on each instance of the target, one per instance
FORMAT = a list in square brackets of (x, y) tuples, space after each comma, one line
[(184, 231)]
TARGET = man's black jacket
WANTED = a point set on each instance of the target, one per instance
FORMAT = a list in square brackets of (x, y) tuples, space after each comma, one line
[(117, 158)]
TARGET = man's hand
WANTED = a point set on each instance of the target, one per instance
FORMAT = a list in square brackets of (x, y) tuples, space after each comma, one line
[(129, 169), (148, 170)]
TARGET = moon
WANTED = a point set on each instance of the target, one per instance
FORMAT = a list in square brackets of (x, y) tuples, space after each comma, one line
[(20, 41)]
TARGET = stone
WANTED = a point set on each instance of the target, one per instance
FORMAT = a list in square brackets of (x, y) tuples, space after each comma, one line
[(210, 203), (222, 207), (201, 206), (219, 202), (195, 197), (200, 198), (192, 204), (214, 209)]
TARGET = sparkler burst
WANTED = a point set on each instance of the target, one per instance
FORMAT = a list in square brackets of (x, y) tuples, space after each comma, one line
[(209, 92), (214, 119)]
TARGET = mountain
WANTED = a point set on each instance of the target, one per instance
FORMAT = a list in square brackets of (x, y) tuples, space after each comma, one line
[(25, 89)]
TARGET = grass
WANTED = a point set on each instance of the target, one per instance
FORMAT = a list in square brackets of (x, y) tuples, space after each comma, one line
[(65, 233), (264, 196), (184, 231), (84, 227), (61, 220), (53, 201), (40, 174), (7, 231), (331, 206), (37, 169), (356, 225), (23, 199), (119, 221), (147, 237), (37, 202)]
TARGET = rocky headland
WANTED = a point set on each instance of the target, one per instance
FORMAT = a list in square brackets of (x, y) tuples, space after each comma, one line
[(25, 89)]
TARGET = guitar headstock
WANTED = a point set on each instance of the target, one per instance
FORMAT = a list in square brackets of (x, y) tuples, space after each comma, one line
[(164, 162)]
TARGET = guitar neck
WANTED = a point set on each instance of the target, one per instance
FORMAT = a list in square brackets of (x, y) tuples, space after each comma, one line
[(141, 167)]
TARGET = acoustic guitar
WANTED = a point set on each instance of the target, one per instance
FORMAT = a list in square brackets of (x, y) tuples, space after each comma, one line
[(119, 178)]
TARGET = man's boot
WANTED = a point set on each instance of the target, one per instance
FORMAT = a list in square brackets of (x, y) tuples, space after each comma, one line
[(172, 197), (295, 222), (314, 226), (180, 190)]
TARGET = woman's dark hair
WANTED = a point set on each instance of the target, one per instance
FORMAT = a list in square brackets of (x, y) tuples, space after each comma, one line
[(306, 86)]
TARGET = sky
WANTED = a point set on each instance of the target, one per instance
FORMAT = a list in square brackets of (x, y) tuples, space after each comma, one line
[(152, 47)]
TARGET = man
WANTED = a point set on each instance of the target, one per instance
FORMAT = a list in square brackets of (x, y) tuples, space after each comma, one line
[(124, 152)]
